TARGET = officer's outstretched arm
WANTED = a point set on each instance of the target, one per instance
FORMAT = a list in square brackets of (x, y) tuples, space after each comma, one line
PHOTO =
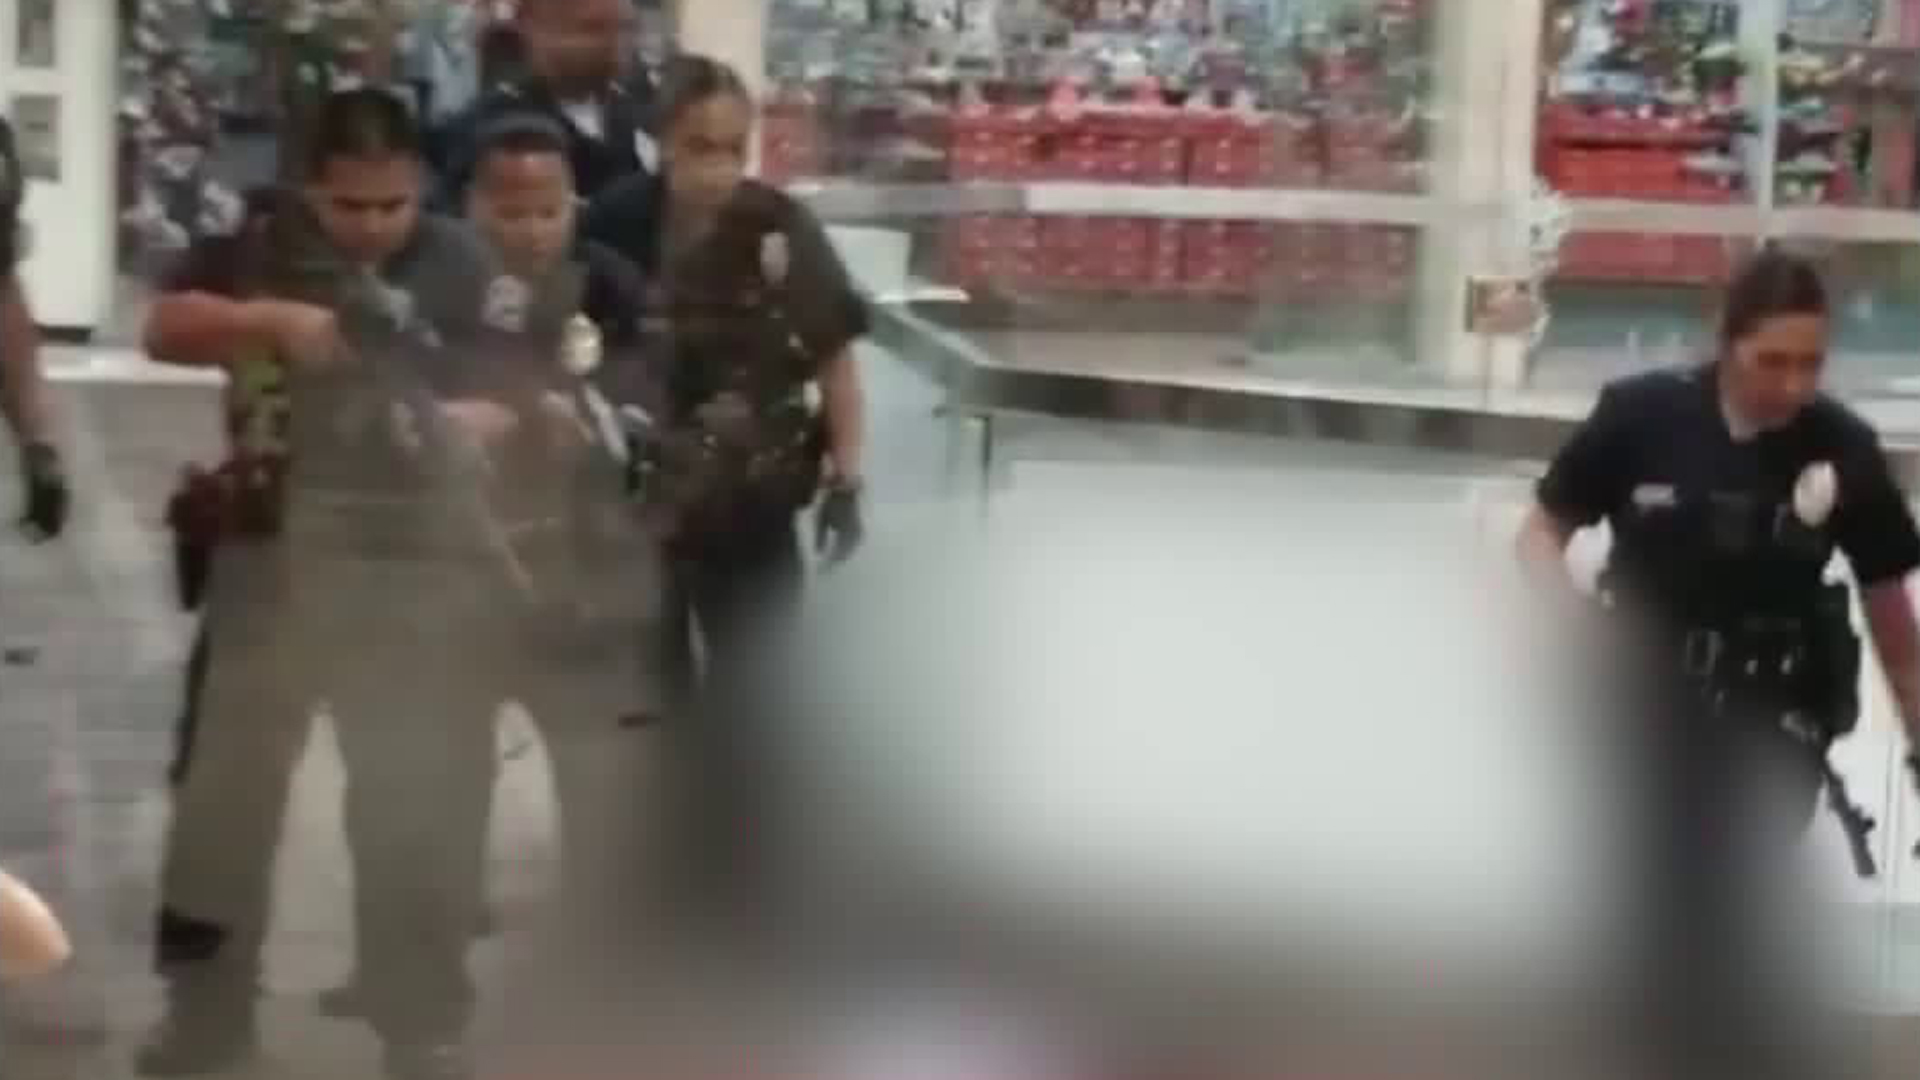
[(1896, 641), (22, 383), (1541, 548), (32, 941)]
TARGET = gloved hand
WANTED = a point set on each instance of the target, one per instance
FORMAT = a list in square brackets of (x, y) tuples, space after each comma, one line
[(47, 498), (1913, 769), (839, 527)]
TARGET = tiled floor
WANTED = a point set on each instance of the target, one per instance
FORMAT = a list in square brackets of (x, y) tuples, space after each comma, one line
[(91, 650), (90, 681)]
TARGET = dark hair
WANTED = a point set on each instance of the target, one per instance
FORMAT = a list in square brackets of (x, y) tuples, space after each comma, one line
[(691, 79), (365, 122), (519, 133), (503, 54), (1772, 283)]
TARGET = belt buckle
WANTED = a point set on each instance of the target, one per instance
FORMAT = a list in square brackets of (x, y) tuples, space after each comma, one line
[(1701, 652)]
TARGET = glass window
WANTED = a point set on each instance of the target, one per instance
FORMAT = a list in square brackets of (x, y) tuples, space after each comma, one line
[(1791, 120), (1192, 189)]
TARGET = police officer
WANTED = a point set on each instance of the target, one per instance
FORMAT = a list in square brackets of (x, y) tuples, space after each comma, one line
[(351, 320), (573, 659), (22, 385), (1728, 488), (761, 319), (587, 677), (574, 74)]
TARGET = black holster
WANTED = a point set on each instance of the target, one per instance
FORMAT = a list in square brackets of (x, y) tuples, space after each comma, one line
[(1834, 648)]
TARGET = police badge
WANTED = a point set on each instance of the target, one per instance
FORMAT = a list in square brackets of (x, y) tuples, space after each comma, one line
[(506, 304), (775, 258), (580, 347)]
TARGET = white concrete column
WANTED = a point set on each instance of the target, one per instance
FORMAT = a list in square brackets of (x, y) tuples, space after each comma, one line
[(731, 30), (734, 31), (1486, 78)]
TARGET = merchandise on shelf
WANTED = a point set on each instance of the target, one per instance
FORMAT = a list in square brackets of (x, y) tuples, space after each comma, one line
[(1150, 94), (1847, 121), (1647, 107)]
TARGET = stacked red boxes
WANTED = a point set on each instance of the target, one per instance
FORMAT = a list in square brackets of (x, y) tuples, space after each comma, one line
[(1378, 261), (1631, 157), (993, 250), (1228, 258), (1122, 148), (1364, 153), (1629, 257), (1313, 268), (1000, 146), (792, 143), (1232, 151), (1106, 254)]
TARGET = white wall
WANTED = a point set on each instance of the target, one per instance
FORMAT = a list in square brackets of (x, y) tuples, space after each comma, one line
[(69, 269)]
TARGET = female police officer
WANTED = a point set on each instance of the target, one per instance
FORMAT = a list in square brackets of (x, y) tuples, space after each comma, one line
[(1727, 488), (758, 313)]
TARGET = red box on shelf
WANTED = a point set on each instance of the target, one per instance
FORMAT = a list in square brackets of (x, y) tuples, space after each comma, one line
[(997, 146), (1107, 253), (1118, 159), (1237, 152), (1227, 257), (991, 249)]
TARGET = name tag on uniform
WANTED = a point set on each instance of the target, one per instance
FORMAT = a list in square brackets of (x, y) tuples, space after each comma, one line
[(1655, 497)]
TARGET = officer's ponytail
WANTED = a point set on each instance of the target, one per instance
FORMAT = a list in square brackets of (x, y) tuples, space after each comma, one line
[(691, 79), (1771, 284)]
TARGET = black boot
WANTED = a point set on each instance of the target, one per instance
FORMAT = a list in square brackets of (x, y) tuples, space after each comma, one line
[(201, 1033)]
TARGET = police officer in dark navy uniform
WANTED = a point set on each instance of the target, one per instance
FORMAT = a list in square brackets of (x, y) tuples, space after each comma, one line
[(574, 73), (1728, 489), (763, 417), (22, 384)]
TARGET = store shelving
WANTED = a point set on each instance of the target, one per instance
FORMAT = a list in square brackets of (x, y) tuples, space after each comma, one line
[(1184, 149)]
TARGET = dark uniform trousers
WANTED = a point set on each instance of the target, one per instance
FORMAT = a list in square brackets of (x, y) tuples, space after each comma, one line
[(1721, 805), (387, 641), (583, 666), (729, 589)]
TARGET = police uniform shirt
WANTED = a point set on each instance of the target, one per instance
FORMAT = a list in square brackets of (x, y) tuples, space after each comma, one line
[(818, 293), (608, 138), (422, 311), (1698, 512)]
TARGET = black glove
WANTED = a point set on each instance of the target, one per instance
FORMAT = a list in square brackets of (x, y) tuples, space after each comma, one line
[(838, 525), (1913, 767), (45, 484)]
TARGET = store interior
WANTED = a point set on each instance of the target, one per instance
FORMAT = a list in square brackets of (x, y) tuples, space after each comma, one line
[(1257, 192), (1242, 195)]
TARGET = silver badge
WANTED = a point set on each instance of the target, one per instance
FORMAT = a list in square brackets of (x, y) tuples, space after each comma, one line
[(395, 303), (508, 298), (580, 347), (646, 150), (775, 258)]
